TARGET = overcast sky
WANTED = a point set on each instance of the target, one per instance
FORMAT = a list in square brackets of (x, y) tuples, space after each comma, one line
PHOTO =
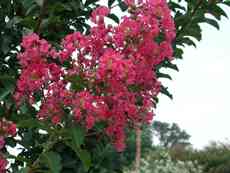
[(201, 89)]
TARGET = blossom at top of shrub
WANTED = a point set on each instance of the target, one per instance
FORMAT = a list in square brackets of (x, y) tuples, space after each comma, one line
[(110, 77)]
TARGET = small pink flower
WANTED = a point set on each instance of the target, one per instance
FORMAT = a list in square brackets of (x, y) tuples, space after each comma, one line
[(90, 120), (129, 2), (56, 119), (3, 164), (12, 129), (120, 146), (77, 114), (99, 12)]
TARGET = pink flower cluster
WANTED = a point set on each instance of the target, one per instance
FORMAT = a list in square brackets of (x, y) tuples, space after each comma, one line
[(7, 128), (110, 77), (3, 164)]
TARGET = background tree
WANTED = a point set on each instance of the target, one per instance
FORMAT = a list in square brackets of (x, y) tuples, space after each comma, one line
[(169, 135), (214, 158)]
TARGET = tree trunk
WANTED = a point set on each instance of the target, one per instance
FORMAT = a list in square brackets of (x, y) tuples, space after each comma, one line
[(138, 148)]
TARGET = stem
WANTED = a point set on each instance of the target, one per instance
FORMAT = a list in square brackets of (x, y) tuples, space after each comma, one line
[(41, 16), (138, 148)]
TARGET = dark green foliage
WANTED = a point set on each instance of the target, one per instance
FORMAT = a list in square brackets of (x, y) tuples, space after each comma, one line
[(53, 19)]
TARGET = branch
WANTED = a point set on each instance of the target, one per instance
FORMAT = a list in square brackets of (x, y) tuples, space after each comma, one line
[(192, 15), (41, 16), (138, 148)]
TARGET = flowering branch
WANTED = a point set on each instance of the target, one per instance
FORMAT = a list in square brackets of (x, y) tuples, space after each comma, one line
[(111, 81), (192, 15)]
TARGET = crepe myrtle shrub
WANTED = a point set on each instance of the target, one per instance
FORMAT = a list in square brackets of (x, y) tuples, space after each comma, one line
[(106, 77), (77, 86)]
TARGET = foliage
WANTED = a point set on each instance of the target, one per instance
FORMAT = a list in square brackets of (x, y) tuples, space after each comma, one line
[(53, 20), (214, 158)]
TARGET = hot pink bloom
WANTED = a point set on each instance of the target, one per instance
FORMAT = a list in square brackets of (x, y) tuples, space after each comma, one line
[(30, 41), (129, 2), (77, 114), (3, 164), (98, 13), (56, 119), (90, 120), (12, 129), (107, 76)]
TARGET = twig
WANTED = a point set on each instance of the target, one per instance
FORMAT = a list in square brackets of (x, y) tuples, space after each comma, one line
[(41, 16)]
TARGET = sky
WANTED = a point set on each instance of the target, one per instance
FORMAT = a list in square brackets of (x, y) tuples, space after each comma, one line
[(201, 89)]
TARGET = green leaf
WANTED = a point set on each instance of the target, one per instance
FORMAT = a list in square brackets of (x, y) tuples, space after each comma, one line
[(24, 170), (110, 2), (77, 82), (24, 108), (29, 22), (134, 88), (5, 44), (170, 65), (53, 161), (122, 5), (6, 78), (85, 157), (163, 75), (227, 2), (114, 18), (40, 2), (164, 90), (194, 30), (178, 52), (27, 3), (11, 142), (212, 22), (217, 12), (181, 19), (185, 40), (173, 6), (29, 123), (78, 135), (4, 92), (89, 2)]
